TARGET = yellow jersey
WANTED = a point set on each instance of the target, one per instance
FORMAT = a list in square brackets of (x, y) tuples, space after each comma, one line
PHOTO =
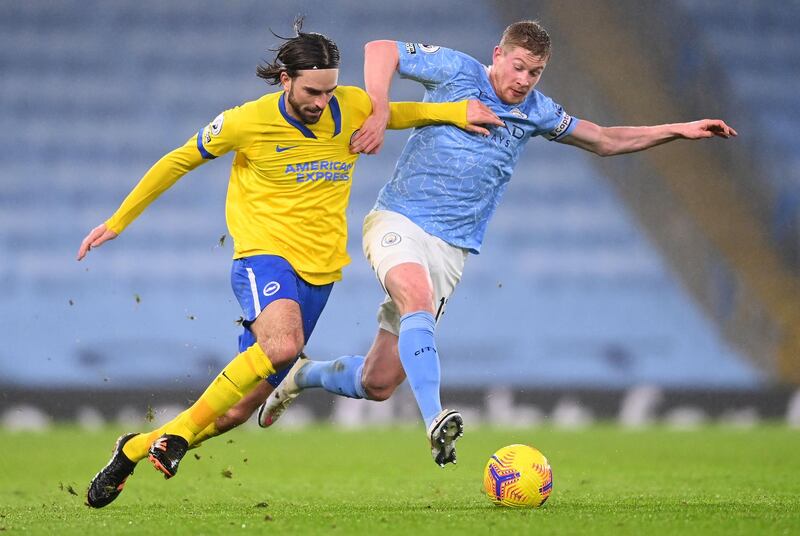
[(290, 182)]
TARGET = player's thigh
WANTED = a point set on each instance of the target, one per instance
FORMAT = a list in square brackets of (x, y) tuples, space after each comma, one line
[(394, 247), (266, 287), (446, 267), (312, 300), (279, 331), (410, 287)]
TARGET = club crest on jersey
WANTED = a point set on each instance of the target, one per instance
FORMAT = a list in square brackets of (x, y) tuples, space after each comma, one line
[(216, 125), (271, 288), (428, 49), (390, 239), (518, 113)]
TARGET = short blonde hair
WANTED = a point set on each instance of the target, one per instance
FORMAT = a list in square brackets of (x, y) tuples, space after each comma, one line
[(528, 34)]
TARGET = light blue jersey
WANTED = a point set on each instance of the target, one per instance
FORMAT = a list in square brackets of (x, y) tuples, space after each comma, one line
[(447, 180)]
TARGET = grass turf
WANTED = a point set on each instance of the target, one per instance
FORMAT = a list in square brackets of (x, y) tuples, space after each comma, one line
[(607, 480)]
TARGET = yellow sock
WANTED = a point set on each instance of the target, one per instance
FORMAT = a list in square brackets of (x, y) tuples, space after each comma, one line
[(236, 380), (207, 433), (136, 448)]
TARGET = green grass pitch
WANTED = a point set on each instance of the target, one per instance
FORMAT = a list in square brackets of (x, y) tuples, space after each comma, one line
[(607, 480)]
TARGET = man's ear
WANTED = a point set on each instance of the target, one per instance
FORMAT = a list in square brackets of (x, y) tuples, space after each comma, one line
[(286, 81)]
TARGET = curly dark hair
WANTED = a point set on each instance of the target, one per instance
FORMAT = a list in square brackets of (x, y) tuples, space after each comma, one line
[(303, 51)]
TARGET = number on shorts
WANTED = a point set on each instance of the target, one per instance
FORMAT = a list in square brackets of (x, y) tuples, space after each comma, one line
[(440, 310)]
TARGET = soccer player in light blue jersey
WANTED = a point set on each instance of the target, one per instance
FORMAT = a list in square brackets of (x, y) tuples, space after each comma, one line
[(435, 209)]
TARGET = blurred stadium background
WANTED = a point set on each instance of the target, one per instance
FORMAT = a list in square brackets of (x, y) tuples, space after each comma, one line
[(662, 285)]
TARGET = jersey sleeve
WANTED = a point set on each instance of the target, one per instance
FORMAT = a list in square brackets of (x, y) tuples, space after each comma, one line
[(555, 122), (158, 178), (419, 114), (405, 115), (220, 136), (357, 102), (428, 64)]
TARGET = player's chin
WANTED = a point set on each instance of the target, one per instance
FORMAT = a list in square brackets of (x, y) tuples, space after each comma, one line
[(311, 118)]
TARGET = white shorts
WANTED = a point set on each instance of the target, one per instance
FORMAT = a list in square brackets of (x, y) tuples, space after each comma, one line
[(390, 239)]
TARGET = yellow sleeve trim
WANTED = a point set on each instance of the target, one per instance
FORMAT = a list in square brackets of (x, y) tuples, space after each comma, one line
[(418, 114)]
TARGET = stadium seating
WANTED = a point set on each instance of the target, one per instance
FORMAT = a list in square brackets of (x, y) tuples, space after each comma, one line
[(756, 45), (568, 290)]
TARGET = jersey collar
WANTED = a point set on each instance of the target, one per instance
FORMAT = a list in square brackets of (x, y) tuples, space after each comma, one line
[(336, 115)]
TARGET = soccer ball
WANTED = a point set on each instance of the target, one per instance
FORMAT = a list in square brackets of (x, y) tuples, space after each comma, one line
[(518, 476)]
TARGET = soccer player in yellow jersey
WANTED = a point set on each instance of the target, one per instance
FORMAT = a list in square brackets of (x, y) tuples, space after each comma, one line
[(288, 191)]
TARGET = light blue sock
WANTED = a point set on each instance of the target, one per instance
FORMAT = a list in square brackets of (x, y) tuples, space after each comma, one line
[(341, 376), (421, 361)]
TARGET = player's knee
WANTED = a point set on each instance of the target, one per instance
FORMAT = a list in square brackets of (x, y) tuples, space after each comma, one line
[(411, 294), (282, 351), (380, 387), (378, 393)]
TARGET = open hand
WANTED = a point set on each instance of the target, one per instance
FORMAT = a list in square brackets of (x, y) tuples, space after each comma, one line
[(707, 128), (96, 236), (369, 138), (479, 114)]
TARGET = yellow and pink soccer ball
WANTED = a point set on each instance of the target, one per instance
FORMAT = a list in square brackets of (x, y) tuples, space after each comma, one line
[(518, 476)]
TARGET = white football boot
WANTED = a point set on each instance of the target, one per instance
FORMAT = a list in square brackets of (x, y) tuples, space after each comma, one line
[(282, 397), (443, 432)]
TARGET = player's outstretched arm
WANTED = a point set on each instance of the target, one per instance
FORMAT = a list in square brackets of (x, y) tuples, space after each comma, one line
[(471, 115), (609, 141), (158, 178), (380, 62)]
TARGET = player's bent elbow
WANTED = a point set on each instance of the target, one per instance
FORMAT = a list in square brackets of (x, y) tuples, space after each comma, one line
[(604, 149), (601, 143)]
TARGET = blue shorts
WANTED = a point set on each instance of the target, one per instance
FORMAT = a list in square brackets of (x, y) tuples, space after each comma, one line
[(259, 280)]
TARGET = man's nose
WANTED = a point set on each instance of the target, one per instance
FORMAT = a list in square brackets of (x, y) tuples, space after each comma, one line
[(321, 102)]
